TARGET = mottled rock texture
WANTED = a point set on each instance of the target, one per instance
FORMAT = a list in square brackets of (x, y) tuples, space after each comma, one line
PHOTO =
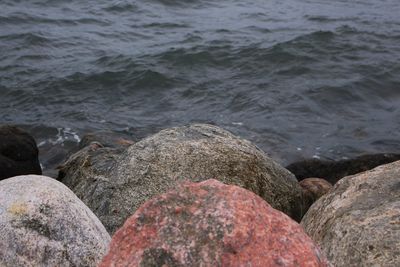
[(333, 171), (114, 184), (18, 153), (357, 223), (313, 189), (211, 224), (42, 223)]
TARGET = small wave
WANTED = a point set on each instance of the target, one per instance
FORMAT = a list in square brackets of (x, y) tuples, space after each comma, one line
[(317, 36), (92, 21), (121, 7), (326, 19), (23, 18), (197, 56), (165, 25), (327, 96), (36, 57), (116, 62), (347, 30), (152, 79), (28, 38), (258, 29), (281, 54), (122, 82), (293, 70), (63, 134), (185, 3)]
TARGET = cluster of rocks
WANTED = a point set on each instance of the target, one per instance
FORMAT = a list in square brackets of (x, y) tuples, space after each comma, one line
[(115, 183), (191, 196)]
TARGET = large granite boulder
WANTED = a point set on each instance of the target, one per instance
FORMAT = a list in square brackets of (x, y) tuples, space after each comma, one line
[(42, 223), (114, 183), (211, 224), (333, 171), (18, 153), (357, 223)]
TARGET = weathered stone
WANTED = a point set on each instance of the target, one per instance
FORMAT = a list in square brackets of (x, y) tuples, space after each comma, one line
[(18, 153), (333, 171), (211, 224), (106, 139), (53, 155), (115, 184), (357, 223), (313, 189), (42, 223)]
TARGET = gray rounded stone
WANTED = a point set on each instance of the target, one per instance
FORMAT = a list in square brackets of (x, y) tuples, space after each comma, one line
[(114, 184), (42, 223), (357, 223)]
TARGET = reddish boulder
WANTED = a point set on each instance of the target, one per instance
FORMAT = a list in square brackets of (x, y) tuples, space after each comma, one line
[(313, 189), (211, 224)]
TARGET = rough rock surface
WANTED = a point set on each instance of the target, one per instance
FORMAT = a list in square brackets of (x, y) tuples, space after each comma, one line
[(106, 139), (114, 185), (313, 189), (333, 171), (18, 153), (53, 155), (211, 224), (357, 223), (42, 223)]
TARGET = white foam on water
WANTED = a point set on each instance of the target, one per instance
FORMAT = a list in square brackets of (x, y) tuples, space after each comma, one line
[(42, 143), (63, 134), (75, 136)]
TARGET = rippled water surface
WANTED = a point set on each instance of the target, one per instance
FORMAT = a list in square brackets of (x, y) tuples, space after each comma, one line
[(299, 78)]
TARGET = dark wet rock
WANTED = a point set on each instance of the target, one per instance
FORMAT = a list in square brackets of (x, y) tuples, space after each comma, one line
[(115, 183), (357, 223), (53, 154), (211, 224), (18, 153), (42, 223), (106, 139), (313, 189), (333, 171)]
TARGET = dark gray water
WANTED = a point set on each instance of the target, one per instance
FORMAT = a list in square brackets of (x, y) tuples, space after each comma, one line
[(299, 78)]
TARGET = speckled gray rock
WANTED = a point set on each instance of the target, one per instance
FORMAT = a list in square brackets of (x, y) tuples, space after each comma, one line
[(114, 185), (42, 223), (357, 223)]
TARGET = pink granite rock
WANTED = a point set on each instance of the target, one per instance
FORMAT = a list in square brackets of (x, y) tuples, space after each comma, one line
[(211, 224)]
